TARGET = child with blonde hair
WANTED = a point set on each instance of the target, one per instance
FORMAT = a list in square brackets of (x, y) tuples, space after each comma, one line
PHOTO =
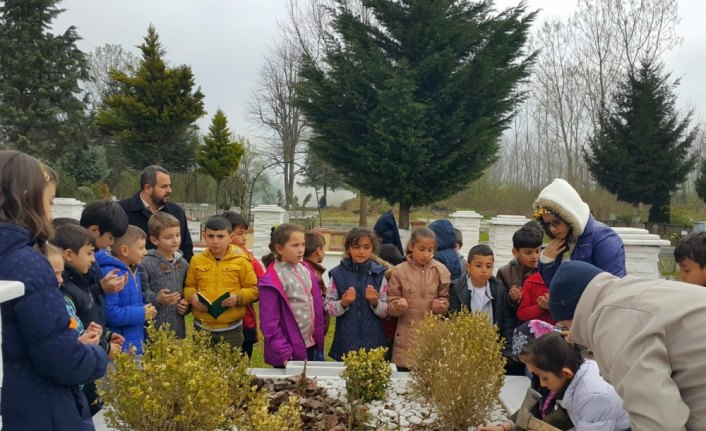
[(417, 286)]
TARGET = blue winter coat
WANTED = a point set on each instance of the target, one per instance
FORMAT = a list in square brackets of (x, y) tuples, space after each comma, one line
[(125, 310), (598, 245), (43, 361), (446, 247)]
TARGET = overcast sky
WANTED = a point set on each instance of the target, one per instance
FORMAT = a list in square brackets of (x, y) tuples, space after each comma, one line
[(225, 42)]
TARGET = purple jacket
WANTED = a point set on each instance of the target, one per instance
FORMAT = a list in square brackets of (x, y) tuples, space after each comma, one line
[(283, 340)]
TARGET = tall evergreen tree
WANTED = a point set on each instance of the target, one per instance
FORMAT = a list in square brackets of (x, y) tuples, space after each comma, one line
[(153, 109), (642, 150), (41, 108), (219, 156), (700, 183), (408, 105), (319, 175)]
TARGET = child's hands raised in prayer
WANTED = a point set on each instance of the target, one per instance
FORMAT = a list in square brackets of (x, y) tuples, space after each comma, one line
[(167, 297), (515, 295), (348, 297), (89, 337), (182, 306), (440, 306), (543, 302), (371, 295), (401, 305), (150, 311)]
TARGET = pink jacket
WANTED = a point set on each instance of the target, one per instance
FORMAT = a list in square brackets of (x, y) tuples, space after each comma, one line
[(283, 340)]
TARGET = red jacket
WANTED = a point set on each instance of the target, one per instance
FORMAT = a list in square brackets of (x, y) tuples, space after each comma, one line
[(532, 289)]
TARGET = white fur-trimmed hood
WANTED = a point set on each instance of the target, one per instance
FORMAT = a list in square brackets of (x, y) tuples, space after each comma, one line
[(561, 199)]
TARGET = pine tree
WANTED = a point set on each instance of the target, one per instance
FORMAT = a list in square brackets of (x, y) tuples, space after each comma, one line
[(219, 156), (700, 184), (41, 108), (319, 175), (641, 152), (410, 101), (153, 110)]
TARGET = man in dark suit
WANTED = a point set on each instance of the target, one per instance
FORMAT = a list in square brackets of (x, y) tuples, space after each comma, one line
[(155, 190)]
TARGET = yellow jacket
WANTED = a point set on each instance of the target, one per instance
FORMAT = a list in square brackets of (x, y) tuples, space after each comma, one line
[(233, 273)]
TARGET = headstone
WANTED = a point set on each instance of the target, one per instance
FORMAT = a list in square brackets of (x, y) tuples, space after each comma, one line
[(67, 207), (468, 222), (641, 251), (264, 218), (501, 230)]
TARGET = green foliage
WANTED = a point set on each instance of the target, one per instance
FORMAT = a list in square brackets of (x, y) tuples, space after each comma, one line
[(42, 112), (67, 186), (85, 194), (320, 175), (152, 110), (367, 374), (642, 150), (185, 385), (460, 369), (219, 156), (88, 165), (700, 184), (409, 106)]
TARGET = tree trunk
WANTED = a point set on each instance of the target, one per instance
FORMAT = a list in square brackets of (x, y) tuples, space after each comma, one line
[(363, 217), (659, 211), (404, 215)]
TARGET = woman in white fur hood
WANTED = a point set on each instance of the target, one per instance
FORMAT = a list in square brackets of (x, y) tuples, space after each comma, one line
[(567, 220)]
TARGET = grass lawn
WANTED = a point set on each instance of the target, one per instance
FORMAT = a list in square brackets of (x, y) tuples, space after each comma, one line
[(258, 356)]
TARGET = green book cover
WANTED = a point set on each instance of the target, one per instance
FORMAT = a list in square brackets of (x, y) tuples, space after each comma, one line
[(215, 307)]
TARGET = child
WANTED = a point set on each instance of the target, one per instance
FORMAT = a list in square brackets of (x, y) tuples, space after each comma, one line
[(459, 245), (291, 310), (222, 269), (590, 401), (526, 247), (44, 363), (314, 254), (126, 313), (76, 246), (417, 286), (239, 238), (163, 271), (357, 296), (546, 409), (480, 292), (446, 247), (690, 254), (105, 220), (535, 300), (389, 256)]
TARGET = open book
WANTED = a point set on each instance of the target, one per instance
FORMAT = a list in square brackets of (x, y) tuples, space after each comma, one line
[(215, 307)]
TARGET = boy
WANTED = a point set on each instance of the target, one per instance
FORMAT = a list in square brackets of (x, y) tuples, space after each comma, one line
[(314, 254), (459, 245), (77, 248), (105, 220), (163, 271), (526, 248), (222, 270), (690, 254), (239, 238), (478, 291), (126, 313)]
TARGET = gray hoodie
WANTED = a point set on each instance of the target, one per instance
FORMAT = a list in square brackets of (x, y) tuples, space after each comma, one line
[(158, 273)]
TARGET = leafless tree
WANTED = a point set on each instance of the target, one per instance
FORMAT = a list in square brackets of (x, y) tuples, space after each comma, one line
[(100, 62)]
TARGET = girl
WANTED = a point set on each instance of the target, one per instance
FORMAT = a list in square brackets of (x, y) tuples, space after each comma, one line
[(417, 286), (546, 409), (291, 310), (44, 362), (357, 296), (591, 402), (535, 300)]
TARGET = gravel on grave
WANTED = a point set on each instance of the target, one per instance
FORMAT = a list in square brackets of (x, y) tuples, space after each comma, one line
[(324, 400)]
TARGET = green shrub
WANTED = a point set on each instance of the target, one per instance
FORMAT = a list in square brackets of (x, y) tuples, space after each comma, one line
[(185, 385), (367, 374), (461, 367)]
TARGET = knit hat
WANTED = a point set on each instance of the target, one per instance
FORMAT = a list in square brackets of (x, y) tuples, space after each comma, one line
[(567, 285), (527, 332)]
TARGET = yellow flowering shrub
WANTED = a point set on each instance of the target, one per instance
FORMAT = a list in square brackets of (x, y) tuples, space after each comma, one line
[(182, 385), (367, 374), (459, 367)]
